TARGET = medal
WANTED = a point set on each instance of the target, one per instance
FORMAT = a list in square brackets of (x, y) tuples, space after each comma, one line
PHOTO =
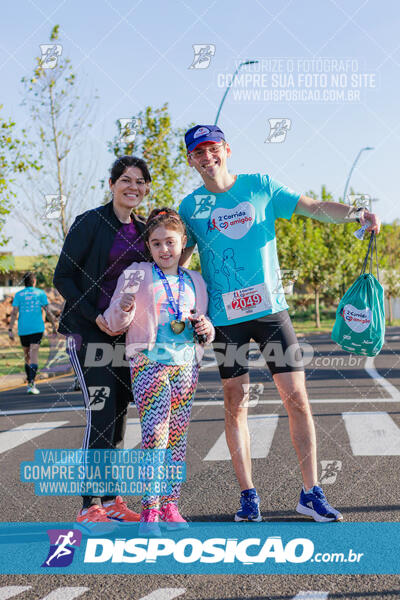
[(177, 325)]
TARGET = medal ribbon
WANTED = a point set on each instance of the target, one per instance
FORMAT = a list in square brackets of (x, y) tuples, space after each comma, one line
[(176, 308)]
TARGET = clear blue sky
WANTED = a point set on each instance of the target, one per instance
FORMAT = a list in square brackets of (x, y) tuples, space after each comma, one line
[(138, 53)]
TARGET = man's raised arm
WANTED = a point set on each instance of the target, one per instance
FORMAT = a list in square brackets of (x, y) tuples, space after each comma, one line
[(335, 212)]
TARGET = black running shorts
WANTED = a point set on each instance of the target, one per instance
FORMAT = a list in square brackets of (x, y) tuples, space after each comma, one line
[(275, 337), (31, 338)]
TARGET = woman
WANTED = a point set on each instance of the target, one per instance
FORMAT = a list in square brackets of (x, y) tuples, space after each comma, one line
[(101, 243)]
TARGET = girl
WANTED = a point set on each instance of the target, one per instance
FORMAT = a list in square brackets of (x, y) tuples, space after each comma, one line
[(161, 348)]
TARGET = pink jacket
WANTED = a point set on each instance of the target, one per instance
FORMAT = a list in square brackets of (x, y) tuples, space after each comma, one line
[(142, 321)]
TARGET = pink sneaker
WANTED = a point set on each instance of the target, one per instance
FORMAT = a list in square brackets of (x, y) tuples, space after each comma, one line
[(172, 518), (149, 522)]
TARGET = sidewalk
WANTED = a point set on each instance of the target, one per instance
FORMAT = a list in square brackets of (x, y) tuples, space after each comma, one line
[(9, 381)]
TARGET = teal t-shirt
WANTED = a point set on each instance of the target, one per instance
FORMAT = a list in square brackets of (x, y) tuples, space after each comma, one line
[(170, 348), (235, 235), (30, 302)]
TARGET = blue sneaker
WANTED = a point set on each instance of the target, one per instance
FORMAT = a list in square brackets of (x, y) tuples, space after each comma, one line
[(315, 505), (250, 510)]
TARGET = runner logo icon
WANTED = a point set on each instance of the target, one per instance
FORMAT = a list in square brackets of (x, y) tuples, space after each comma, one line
[(98, 396), (63, 543), (278, 129), (203, 54)]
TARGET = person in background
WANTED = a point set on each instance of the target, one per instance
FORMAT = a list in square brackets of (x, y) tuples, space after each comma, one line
[(27, 306)]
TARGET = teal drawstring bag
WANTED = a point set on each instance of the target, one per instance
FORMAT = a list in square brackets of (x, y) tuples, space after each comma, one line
[(360, 318)]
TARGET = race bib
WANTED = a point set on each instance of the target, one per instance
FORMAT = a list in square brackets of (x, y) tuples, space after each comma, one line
[(247, 301)]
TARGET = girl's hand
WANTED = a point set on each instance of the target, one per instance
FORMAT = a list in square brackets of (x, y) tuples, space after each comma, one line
[(203, 325), (127, 302), (103, 325)]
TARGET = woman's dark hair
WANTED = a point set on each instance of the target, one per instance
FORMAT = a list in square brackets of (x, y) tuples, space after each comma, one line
[(123, 162), (28, 279), (164, 216)]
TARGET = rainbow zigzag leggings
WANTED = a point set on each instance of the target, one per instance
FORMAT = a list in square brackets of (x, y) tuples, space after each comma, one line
[(163, 395)]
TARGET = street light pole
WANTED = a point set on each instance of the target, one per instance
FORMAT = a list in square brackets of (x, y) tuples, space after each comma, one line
[(371, 200), (247, 62), (352, 169)]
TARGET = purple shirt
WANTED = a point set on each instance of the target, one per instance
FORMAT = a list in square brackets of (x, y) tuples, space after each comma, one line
[(126, 249)]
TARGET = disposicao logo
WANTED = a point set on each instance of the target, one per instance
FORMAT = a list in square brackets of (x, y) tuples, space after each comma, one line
[(191, 550), (63, 543)]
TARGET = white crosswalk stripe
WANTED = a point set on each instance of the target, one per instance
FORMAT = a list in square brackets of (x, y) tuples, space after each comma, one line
[(133, 435), (262, 430), (164, 594), (393, 392), (69, 593), (10, 591), (24, 433), (372, 433), (66, 593)]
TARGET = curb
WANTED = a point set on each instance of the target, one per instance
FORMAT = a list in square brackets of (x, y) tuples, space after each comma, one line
[(19, 379)]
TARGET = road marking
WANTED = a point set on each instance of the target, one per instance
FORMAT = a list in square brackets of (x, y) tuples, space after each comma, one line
[(262, 430), (66, 593), (133, 434), (372, 433), (24, 433), (32, 411), (10, 591), (316, 401), (393, 392), (311, 595), (164, 594), (211, 403)]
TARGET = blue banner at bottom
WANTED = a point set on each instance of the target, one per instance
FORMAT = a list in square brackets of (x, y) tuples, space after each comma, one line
[(206, 548)]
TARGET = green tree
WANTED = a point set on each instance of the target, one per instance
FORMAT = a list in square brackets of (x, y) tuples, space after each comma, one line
[(61, 125), (14, 159), (44, 270), (326, 256), (162, 147), (388, 246)]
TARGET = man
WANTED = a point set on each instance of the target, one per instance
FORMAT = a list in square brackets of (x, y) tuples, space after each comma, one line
[(231, 219), (27, 305)]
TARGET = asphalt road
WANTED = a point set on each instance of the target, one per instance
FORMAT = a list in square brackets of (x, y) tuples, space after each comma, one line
[(356, 405)]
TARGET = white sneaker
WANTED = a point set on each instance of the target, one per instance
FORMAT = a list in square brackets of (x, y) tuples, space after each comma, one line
[(32, 389)]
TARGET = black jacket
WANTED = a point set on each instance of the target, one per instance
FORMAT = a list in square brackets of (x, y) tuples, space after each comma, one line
[(82, 264)]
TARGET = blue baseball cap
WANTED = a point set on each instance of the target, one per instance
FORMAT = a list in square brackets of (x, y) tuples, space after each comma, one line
[(203, 133)]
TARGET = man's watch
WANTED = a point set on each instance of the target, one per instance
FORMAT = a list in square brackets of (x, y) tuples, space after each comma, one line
[(357, 213)]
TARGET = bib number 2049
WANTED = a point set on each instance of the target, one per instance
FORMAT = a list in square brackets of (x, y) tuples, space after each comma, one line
[(247, 301)]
